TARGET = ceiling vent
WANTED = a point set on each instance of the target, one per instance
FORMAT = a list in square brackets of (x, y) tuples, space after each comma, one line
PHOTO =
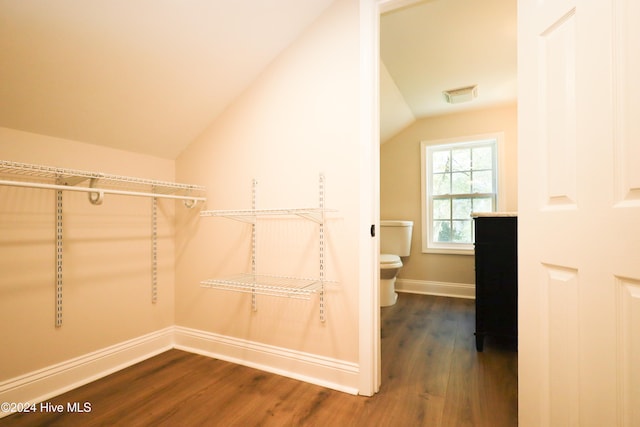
[(463, 94)]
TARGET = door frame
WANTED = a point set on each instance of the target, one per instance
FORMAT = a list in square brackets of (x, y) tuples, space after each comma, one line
[(369, 358)]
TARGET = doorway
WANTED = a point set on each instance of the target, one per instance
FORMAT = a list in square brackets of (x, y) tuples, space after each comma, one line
[(415, 35)]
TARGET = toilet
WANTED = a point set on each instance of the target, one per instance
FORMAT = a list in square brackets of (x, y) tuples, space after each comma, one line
[(395, 242)]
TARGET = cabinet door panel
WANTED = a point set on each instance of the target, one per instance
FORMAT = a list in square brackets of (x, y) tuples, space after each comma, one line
[(496, 277)]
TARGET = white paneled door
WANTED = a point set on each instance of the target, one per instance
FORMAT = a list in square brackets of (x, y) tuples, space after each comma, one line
[(579, 213)]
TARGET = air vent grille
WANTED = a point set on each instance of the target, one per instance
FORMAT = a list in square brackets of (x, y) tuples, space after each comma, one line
[(463, 94)]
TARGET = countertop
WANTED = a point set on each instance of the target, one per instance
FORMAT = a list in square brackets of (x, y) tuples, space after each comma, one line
[(492, 214)]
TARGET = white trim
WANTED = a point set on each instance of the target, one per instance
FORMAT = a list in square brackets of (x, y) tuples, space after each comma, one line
[(45, 383), (370, 355), (426, 287), (320, 370), (369, 173)]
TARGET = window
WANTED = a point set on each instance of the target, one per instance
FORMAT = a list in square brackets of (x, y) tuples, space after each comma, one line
[(458, 177)]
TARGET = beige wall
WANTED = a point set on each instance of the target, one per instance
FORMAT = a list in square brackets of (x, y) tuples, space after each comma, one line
[(107, 257), (400, 184), (298, 119)]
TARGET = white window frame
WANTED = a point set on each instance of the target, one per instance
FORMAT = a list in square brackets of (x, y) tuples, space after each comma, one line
[(428, 245)]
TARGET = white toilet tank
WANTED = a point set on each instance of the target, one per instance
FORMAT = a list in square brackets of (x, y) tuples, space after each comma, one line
[(395, 237)]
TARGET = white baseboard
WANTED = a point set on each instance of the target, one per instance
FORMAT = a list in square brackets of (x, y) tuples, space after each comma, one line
[(455, 290), (323, 371), (53, 380), (43, 384)]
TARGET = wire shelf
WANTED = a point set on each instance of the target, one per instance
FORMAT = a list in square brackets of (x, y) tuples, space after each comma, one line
[(280, 286), (249, 215), (40, 176), (96, 185)]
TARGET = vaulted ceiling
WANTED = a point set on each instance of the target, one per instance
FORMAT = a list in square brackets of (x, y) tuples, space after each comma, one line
[(150, 75), (431, 46), (142, 75)]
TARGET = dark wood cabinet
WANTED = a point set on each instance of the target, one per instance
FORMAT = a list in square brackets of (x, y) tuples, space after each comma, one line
[(496, 262)]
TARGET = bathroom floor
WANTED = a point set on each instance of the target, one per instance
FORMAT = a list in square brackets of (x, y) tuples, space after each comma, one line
[(430, 363), (431, 376)]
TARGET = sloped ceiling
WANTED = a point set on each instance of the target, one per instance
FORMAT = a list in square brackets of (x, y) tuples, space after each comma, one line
[(149, 75), (142, 75), (431, 46)]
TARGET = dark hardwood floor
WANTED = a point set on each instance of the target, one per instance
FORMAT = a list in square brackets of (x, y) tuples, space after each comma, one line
[(431, 376)]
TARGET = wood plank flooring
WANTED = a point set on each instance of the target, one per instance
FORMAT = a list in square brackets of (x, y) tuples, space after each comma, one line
[(431, 376)]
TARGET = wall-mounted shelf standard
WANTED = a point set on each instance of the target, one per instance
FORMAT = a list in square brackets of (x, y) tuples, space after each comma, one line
[(96, 185), (281, 286)]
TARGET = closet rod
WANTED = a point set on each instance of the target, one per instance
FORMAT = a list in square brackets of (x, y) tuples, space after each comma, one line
[(96, 190)]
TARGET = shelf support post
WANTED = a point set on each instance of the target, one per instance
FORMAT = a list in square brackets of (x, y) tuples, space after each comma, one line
[(321, 238), (59, 254), (253, 245), (154, 250)]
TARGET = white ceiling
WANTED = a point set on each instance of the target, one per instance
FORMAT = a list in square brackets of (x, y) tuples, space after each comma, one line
[(437, 45), (142, 75), (149, 75)]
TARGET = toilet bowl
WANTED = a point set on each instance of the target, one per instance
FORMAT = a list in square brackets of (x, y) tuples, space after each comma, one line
[(389, 266), (395, 242)]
